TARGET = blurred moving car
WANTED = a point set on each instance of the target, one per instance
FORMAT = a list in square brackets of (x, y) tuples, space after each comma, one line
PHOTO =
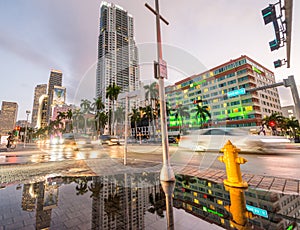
[(109, 140), (77, 141), (215, 138)]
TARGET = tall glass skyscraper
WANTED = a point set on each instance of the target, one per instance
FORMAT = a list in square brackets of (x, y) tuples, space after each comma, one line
[(55, 79), (38, 92), (117, 51)]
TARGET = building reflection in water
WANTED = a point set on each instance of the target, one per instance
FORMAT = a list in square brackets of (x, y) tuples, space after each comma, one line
[(211, 201), (122, 202), (117, 202)]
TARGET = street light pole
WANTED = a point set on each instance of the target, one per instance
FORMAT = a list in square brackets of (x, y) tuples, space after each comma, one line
[(27, 113), (166, 173)]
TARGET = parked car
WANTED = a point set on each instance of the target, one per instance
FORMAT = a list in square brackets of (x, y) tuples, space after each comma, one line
[(216, 138), (109, 140)]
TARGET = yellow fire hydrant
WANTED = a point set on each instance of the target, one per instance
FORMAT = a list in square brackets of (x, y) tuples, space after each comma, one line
[(232, 162)]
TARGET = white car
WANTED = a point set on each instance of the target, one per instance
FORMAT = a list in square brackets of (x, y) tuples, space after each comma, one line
[(214, 139)]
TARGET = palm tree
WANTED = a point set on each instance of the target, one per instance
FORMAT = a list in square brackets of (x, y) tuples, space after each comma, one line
[(77, 115), (61, 115), (273, 121), (202, 113), (151, 94), (180, 113), (151, 91), (135, 118), (149, 115), (85, 106), (290, 124), (101, 120), (112, 206), (54, 127), (81, 187), (112, 92), (69, 116), (95, 187), (97, 105)]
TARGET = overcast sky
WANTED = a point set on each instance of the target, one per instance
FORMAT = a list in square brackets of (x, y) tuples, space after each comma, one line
[(37, 36)]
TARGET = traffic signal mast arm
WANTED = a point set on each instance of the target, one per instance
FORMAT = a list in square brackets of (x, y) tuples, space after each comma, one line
[(265, 87)]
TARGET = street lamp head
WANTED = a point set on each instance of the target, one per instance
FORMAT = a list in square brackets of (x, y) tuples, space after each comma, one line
[(28, 112)]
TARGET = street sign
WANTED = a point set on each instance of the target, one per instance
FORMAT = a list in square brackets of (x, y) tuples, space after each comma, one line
[(257, 211), (236, 92), (163, 69)]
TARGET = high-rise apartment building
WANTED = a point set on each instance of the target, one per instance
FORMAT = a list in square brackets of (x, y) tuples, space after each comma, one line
[(8, 116), (38, 92), (55, 79), (117, 51), (42, 121), (212, 88)]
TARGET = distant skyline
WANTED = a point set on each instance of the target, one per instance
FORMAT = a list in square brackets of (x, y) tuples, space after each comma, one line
[(37, 36)]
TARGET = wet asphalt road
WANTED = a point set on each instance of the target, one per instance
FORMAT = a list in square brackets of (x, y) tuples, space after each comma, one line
[(285, 164)]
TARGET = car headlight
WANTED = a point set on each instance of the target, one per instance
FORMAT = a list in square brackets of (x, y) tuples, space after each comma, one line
[(54, 141)]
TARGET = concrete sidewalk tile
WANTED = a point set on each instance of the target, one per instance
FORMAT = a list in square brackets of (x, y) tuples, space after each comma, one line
[(255, 180), (266, 183), (291, 186)]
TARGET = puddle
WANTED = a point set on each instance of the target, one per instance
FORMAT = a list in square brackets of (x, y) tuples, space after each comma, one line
[(137, 201)]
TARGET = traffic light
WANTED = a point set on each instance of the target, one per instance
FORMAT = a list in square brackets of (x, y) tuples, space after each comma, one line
[(277, 63), (197, 101), (269, 14), (272, 123), (274, 45)]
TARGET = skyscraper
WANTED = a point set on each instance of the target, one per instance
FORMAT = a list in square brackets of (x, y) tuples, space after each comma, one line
[(38, 92), (55, 79), (117, 51), (8, 116)]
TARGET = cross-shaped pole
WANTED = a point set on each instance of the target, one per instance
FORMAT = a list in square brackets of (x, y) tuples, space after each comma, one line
[(166, 173)]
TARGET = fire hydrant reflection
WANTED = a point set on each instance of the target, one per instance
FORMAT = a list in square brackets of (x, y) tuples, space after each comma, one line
[(237, 208)]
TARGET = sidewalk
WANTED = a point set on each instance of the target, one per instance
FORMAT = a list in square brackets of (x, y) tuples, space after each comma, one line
[(111, 166)]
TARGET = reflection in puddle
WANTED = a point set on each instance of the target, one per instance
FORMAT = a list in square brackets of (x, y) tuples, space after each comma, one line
[(234, 208), (137, 201)]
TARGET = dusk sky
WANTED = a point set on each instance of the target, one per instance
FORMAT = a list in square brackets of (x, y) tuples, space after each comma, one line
[(37, 36)]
